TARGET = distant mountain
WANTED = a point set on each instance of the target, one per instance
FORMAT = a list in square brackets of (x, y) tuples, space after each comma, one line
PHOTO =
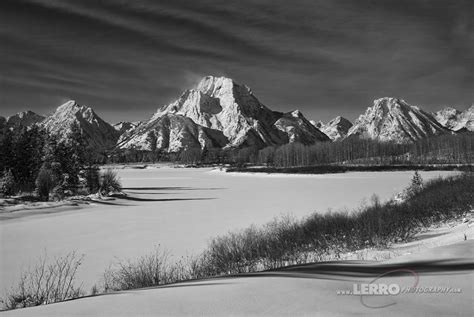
[(335, 129), (24, 118), (96, 131), (126, 127), (392, 119), (456, 120), (220, 113), (299, 129), (219, 107)]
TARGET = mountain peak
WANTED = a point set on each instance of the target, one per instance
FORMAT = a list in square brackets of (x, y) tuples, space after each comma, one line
[(456, 120), (222, 106), (390, 104), (393, 119), (24, 118), (387, 100), (72, 106), (68, 104), (209, 80), (25, 114), (296, 114), (336, 128), (96, 131)]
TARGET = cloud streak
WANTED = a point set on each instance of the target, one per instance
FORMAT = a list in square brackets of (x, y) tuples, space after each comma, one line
[(326, 58)]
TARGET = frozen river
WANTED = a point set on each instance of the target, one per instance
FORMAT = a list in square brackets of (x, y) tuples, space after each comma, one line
[(181, 209)]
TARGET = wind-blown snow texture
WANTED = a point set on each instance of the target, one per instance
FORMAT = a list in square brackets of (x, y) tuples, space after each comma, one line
[(392, 119), (456, 120), (220, 113), (98, 133)]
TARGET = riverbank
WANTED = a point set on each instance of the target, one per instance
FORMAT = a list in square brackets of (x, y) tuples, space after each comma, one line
[(332, 169)]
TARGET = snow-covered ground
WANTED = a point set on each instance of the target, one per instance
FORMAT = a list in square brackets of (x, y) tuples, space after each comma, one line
[(185, 208), (310, 290)]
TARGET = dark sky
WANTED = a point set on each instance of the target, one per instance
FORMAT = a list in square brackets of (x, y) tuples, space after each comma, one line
[(326, 58)]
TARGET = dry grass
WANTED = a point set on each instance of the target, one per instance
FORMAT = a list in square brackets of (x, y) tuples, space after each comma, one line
[(49, 281)]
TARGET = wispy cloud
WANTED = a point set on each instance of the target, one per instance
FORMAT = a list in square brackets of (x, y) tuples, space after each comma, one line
[(325, 57)]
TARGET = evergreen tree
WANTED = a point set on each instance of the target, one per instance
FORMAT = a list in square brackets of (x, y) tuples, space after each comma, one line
[(6, 153), (27, 153), (416, 184), (77, 150), (7, 183), (44, 183), (91, 170)]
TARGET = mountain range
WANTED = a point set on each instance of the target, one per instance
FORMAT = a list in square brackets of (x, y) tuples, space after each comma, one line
[(392, 119), (220, 113), (99, 134), (336, 129), (456, 120), (24, 118)]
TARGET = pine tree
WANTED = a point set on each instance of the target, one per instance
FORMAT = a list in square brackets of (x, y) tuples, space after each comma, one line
[(7, 183), (91, 170), (77, 149), (416, 184), (6, 153)]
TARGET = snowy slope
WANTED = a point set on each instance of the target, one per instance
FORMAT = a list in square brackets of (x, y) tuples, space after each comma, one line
[(456, 120), (299, 129), (392, 119), (220, 104), (126, 127), (172, 133), (96, 131), (335, 129)]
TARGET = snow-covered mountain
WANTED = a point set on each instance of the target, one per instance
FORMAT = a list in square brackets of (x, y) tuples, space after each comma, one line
[(335, 129), (299, 129), (24, 118), (220, 113), (126, 127), (96, 131), (392, 119), (219, 107), (456, 120), (171, 133)]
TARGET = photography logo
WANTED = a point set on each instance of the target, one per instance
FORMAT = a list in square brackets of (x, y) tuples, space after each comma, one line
[(388, 291)]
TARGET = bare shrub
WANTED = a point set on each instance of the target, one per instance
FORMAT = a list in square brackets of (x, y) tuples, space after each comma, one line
[(318, 237), (109, 182), (286, 241), (149, 270), (47, 282)]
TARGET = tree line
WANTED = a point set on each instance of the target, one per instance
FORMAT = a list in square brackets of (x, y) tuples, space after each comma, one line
[(32, 160), (445, 149)]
